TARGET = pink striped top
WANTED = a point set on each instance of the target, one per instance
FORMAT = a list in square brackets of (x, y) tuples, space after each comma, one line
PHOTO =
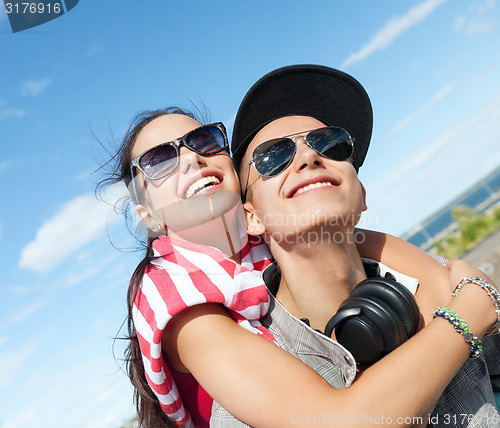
[(183, 274)]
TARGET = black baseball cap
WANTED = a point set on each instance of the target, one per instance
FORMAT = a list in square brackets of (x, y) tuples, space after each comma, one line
[(329, 95)]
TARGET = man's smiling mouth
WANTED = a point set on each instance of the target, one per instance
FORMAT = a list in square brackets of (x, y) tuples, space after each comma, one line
[(312, 186)]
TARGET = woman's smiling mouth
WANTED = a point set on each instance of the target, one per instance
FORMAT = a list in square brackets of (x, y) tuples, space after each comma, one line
[(201, 186)]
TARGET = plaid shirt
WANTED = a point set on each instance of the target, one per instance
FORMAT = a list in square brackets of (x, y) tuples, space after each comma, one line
[(467, 401), (327, 357), (491, 351)]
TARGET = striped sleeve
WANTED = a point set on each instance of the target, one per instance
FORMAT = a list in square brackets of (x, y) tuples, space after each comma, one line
[(182, 275)]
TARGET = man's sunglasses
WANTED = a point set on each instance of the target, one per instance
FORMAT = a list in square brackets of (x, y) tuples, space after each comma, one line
[(274, 156), (162, 160)]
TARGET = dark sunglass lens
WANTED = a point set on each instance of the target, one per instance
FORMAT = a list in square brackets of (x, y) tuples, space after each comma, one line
[(334, 143), (272, 157), (207, 140), (159, 161)]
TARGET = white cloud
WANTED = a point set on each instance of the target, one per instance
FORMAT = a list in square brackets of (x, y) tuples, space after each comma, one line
[(3, 16), (23, 289), (229, 123), (34, 87), (438, 97), (4, 166), (83, 176), (460, 22), (477, 21), (79, 222), (3, 340), (437, 171), (80, 276), (24, 313), (94, 49), (487, 5), (9, 112), (102, 399), (11, 362), (483, 74), (479, 26), (393, 29), (104, 396)]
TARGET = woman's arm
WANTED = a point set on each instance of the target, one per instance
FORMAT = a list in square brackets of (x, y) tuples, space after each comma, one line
[(434, 279), (265, 386)]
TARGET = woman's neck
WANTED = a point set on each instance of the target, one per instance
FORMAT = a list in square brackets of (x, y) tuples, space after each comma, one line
[(223, 233), (317, 277)]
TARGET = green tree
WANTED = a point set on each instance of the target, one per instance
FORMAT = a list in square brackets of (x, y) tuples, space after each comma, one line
[(472, 228)]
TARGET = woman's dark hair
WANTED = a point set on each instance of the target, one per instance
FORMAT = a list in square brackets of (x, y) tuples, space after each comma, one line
[(150, 414)]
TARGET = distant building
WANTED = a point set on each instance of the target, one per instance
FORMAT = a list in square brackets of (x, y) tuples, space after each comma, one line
[(482, 196)]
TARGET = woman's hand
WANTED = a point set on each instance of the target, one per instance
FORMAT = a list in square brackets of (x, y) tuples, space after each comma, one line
[(460, 269), (478, 308)]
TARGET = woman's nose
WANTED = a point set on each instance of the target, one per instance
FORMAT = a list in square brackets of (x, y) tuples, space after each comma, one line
[(189, 160)]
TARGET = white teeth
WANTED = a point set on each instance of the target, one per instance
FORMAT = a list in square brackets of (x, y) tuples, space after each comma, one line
[(200, 185), (313, 186)]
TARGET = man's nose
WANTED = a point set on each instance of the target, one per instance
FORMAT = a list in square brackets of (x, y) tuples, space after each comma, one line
[(305, 156)]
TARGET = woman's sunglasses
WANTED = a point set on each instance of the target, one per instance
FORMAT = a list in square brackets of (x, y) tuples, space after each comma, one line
[(274, 156), (162, 160)]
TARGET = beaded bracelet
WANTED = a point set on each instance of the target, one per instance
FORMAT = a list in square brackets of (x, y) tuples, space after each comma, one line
[(492, 292), (461, 327)]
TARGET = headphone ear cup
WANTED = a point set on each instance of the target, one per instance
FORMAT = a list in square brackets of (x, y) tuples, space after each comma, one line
[(375, 332), (387, 323), (397, 298), (361, 337)]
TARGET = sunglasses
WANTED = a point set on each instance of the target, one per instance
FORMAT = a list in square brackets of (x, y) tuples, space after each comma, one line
[(272, 157), (160, 161)]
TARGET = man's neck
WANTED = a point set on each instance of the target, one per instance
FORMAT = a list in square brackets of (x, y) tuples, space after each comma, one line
[(317, 278)]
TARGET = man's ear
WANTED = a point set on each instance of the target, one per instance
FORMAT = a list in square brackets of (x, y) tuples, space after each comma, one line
[(254, 224), (363, 190), (150, 221)]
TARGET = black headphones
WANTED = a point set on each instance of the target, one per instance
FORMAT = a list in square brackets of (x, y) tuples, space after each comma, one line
[(379, 315)]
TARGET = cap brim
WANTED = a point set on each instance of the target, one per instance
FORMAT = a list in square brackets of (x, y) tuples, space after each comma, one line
[(324, 93)]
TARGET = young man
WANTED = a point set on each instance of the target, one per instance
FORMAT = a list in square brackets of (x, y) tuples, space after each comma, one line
[(303, 196)]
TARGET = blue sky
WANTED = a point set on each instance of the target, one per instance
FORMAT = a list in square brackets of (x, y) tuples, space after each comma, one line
[(431, 68)]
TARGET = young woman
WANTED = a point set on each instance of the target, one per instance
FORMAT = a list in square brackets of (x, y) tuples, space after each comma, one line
[(240, 370)]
